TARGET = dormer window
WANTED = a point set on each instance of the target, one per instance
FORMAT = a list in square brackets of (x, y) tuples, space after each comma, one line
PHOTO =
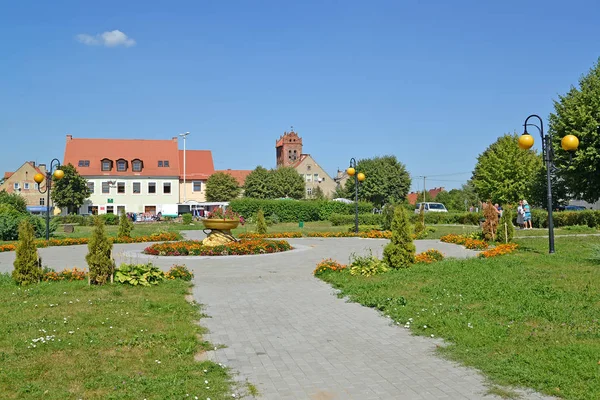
[(163, 163), (160, 163), (166, 162), (136, 165), (83, 163), (106, 164), (121, 165)]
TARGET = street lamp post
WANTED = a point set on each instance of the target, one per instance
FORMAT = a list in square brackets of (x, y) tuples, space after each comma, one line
[(358, 177), (58, 174), (184, 135), (568, 143)]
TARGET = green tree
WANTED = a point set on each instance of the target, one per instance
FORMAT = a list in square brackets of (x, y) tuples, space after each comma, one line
[(318, 194), (400, 252), (99, 257), (578, 113), (222, 187), (27, 265), (506, 229), (386, 180), (17, 201), (125, 226), (258, 184), (71, 191), (261, 223), (504, 172), (287, 182), (420, 224), (459, 199)]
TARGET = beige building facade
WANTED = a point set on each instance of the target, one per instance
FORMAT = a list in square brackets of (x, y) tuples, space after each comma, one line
[(21, 182)]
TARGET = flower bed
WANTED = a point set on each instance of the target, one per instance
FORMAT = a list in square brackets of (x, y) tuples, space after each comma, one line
[(277, 235), (499, 250), (472, 244), (74, 274), (328, 265), (428, 257), (370, 234), (161, 237), (196, 248)]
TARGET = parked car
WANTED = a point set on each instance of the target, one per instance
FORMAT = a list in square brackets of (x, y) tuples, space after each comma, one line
[(430, 207)]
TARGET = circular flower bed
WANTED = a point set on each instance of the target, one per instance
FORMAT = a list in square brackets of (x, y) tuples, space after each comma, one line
[(196, 248)]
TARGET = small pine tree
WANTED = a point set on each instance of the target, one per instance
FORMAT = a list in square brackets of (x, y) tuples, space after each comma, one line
[(400, 252), (491, 221), (27, 265), (125, 226), (261, 223), (420, 224), (506, 235), (388, 216), (99, 259)]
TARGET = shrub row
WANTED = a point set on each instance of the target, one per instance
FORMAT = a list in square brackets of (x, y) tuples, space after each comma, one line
[(294, 211), (86, 220), (463, 218), (348, 219), (9, 225), (590, 218)]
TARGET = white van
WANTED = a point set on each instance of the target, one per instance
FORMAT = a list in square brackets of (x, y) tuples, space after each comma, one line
[(430, 207)]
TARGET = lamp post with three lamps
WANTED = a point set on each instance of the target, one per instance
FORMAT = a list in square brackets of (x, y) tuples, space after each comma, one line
[(58, 174), (358, 178), (568, 143)]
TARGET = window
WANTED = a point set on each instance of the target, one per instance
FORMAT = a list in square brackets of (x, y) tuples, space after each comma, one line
[(36, 186), (137, 188), (309, 191), (105, 187), (26, 186), (308, 178), (316, 178), (167, 187), (83, 163), (197, 186), (90, 186), (106, 165), (160, 163), (136, 165), (110, 209), (163, 163), (151, 187), (121, 187), (121, 165), (42, 201), (166, 163), (16, 185)]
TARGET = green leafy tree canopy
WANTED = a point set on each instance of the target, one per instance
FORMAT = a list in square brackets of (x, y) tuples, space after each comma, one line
[(258, 184), (287, 182), (222, 187), (387, 180), (15, 200), (71, 191), (504, 172)]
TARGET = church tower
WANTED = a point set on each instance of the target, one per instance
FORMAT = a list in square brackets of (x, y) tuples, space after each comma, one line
[(289, 148)]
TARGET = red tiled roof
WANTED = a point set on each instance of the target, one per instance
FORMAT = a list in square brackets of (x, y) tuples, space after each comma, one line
[(239, 174), (412, 197), (8, 175), (148, 151), (199, 164)]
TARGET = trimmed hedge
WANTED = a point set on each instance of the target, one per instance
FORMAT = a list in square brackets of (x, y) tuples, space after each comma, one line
[(348, 219), (296, 210), (464, 218), (591, 218), (86, 220)]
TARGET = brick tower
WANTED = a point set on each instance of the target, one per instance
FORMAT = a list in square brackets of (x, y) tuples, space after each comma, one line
[(289, 148)]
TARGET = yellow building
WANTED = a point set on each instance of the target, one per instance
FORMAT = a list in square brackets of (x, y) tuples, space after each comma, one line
[(21, 182)]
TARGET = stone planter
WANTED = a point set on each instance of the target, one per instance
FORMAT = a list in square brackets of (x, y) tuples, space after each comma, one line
[(220, 231)]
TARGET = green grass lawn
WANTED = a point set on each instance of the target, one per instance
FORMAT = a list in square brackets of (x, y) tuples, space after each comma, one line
[(111, 342), (526, 319)]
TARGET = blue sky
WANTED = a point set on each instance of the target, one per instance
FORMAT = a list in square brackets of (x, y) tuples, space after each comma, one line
[(433, 83)]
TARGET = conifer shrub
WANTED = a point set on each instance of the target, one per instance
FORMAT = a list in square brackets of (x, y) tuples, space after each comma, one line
[(125, 226), (261, 223), (28, 264), (99, 257), (506, 235), (491, 221), (400, 252), (420, 224)]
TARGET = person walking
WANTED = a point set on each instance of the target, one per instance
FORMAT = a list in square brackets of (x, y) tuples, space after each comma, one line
[(527, 215)]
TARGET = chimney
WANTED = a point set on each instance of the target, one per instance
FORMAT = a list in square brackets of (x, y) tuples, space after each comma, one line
[(69, 138), (32, 163), (175, 139)]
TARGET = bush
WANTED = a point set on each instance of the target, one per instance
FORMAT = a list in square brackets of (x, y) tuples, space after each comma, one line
[(328, 265), (420, 224), (99, 257), (82, 220), (428, 257), (463, 218), (261, 224), (108, 219), (387, 216), (491, 221), (363, 219), (187, 219), (505, 235), (179, 272), (10, 219), (28, 264), (15, 200), (125, 226), (139, 274), (400, 252), (367, 265), (293, 210)]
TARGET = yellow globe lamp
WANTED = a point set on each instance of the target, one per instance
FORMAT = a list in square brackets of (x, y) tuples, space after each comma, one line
[(351, 171), (525, 141), (38, 178), (58, 174), (569, 143), (361, 177)]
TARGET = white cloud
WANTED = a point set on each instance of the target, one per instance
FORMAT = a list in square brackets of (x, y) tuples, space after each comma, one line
[(108, 39)]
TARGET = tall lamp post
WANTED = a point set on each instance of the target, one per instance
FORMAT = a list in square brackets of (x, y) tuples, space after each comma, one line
[(58, 174), (568, 143), (358, 177), (184, 135)]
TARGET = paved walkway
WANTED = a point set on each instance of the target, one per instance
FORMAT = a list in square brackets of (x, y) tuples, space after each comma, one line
[(286, 332)]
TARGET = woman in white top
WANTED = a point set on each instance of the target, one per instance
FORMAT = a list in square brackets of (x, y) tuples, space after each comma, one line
[(520, 214)]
